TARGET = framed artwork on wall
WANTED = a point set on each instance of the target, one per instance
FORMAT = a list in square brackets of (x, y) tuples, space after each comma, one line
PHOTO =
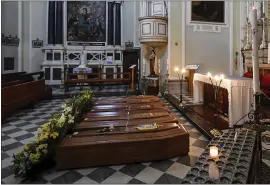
[(37, 43), (9, 40), (86, 23), (208, 11), (3, 39), (16, 41)]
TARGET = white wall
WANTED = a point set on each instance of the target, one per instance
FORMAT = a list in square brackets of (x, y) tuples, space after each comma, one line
[(128, 21), (25, 36), (38, 17), (9, 25), (214, 51), (209, 50)]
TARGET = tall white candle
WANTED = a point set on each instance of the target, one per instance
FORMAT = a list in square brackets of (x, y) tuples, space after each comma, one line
[(255, 61), (144, 67), (268, 53)]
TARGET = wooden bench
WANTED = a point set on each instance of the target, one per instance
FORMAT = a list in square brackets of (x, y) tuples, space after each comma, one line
[(76, 79), (23, 94)]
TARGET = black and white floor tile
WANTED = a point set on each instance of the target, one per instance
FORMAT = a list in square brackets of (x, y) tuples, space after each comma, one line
[(186, 98), (56, 90), (21, 128)]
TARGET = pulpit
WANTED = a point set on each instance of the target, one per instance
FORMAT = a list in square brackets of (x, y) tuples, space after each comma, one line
[(239, 95)]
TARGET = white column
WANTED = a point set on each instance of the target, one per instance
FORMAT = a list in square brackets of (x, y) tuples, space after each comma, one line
[(169, 37), (183, 34), (255, 61), (20, 36), (231, 37), (144, 8), (243, 15), (30, 36)]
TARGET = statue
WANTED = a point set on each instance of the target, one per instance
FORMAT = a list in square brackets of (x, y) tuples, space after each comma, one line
[(82, 60), (152, 62)]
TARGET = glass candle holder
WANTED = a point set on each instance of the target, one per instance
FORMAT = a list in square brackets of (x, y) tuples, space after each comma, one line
[(213, 152)]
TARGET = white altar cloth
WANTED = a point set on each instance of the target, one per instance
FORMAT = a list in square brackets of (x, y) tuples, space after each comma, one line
[(240, 95)]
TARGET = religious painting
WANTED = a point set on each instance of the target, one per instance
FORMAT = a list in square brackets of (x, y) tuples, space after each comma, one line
[(208, 11), (86, 21)]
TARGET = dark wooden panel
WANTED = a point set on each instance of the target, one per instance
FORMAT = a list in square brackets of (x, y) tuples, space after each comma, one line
[(49, 56), (57, 74), (109, 70), (47, 73)]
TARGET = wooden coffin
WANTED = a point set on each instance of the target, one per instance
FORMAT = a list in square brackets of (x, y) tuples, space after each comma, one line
[(127, 100), (136, 114), (121, 107), (88, 124), (91, 148)]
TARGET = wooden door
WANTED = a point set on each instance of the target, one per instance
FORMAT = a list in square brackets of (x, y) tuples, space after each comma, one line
[(131, 58)]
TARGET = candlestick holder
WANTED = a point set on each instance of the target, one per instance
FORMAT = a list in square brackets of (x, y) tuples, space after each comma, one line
[(166, 84), (181, 104), (160, 86), (264, 43), (216, 87), (248, 45), (143, 82)]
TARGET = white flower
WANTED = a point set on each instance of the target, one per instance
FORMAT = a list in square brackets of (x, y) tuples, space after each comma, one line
[(70, 119), (64, 105), (62, 119), (39, 131)]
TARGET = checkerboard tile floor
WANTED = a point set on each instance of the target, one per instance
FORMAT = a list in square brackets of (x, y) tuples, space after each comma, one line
[(56, 91), (187, 99)]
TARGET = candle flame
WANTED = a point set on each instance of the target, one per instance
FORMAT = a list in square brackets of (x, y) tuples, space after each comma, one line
[(176, 69), (209, 74), (216, 77), (183, 70), (221, 76)]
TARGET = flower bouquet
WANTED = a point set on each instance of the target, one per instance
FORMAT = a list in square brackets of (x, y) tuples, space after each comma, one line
[(43, 148)]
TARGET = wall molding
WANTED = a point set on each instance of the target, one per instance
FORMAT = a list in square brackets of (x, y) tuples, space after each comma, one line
[(169, 38), (20, 36), (242, 22), (231, 38), (184, 33), (30, 37), (204, 26)]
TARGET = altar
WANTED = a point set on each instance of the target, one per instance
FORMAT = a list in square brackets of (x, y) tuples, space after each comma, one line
[(240, 95)]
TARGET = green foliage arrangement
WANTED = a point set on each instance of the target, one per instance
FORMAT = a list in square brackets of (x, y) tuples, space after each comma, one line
[(50, 134)]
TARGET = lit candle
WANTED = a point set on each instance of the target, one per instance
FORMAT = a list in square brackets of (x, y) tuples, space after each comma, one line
[(216, 77), (167, 65), (255, 61), (209, 74), (143, 66), (183, 70), (268, 53), (221, 76), (176, 69), (213, 152)]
